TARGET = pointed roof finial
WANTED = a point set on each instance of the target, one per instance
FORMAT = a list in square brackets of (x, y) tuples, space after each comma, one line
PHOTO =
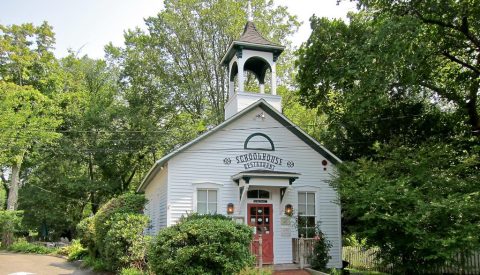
[(249, 12)]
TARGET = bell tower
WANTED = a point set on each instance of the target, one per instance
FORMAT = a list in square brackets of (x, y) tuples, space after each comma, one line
[(254, 54)]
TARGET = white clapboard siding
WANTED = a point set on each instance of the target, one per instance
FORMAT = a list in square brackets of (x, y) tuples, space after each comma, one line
[(203, 162), (156, 208)]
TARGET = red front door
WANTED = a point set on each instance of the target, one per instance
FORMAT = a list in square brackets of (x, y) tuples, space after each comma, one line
[(260, 217)]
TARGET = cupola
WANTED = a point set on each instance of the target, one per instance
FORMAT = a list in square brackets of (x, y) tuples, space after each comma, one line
[(254, 54)]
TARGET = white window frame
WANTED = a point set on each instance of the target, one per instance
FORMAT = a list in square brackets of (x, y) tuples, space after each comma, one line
[(315, 205), (202, 185)]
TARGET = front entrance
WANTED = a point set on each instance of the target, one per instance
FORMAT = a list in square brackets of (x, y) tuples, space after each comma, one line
[(260, 217)]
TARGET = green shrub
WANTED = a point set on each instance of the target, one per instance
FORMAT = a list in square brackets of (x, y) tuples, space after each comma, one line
[(23, 246), (86, 233), (255, 271), (75, 251), (127, 203), (124, 244), (201, 245), (131, 271), (10, 223), (320, 255), (95, 263)]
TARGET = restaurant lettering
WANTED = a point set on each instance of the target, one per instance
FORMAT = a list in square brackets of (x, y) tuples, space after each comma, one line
[(258, 160)]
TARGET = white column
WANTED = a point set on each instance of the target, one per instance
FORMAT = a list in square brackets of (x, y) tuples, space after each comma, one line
[(231, 89), (241, 78), (262, 88), (274, 79)]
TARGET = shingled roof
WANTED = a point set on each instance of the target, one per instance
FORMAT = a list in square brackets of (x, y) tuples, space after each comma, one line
[(251, 39), (251, 35)]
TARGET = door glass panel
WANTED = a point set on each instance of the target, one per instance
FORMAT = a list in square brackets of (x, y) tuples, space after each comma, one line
[(259, 220), (267, 211), (267, 220), (253, 211), (260, 210)]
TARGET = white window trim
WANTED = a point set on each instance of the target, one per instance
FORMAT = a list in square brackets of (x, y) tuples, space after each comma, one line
[(315, 191), (205, 185)]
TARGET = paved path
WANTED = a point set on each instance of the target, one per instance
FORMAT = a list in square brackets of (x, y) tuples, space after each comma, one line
[(25, 264), (291, 272)]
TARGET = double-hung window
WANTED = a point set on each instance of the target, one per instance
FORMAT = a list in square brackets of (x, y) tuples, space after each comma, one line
[(306, 214), (206, 201)]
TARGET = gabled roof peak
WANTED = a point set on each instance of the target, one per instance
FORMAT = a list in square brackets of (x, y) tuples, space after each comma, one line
[(251, 35)]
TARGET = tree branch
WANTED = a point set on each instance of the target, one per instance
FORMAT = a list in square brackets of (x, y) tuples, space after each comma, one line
[(461, 62), (441, 91), (465, 29)]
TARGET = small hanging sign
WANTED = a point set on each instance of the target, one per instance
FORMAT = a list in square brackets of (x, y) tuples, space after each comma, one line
[(260, 201)]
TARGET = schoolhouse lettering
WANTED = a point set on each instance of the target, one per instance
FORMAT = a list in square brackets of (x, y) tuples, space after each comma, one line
[(259, 156)]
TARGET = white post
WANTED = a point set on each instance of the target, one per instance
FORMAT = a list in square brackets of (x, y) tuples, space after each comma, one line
[(260, 251), (262, 88), (231, 89), (302, 251), (240, 76), (274, 79)]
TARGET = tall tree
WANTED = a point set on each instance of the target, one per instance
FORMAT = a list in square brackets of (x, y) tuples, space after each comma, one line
[(399, 86), (29, 120), (185, 42)]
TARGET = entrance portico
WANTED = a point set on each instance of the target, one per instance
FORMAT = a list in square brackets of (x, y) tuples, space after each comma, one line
[(262, 206)]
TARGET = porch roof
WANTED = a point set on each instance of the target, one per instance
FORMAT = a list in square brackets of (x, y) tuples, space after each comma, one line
[(247, 175)]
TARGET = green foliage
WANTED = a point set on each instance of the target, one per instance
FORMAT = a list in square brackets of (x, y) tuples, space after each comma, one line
[(255, 271), (125, 245), (75, 251), (320, 256), (86, 233), (183, 45), (201, 245), (10, 223), (353, 240), (23, 246), (131, 271), (3, 197), (115, 234), (96, 263), (124, 204), (417, 204)]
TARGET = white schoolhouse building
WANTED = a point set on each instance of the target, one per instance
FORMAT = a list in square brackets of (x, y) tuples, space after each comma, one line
[(256, 167)]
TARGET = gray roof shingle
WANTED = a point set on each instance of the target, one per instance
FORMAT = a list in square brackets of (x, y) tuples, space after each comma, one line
[(251, 35)]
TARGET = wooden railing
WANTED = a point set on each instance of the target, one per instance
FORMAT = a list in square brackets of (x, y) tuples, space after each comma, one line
[(256, 250), (302, 250)]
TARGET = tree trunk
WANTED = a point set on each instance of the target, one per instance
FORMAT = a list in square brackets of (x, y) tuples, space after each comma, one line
[(14, 186)]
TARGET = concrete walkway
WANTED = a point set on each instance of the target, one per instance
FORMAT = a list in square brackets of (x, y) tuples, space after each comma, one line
[(291, 272), (29, 264)]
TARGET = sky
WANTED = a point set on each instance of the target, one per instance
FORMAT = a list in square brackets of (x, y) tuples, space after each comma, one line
[(86, 26)]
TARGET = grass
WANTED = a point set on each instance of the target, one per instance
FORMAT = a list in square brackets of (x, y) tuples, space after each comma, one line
[(22, 246), (354, 271)]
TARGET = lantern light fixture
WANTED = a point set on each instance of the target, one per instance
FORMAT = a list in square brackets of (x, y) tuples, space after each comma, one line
[(288, 210), (230, 208)]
